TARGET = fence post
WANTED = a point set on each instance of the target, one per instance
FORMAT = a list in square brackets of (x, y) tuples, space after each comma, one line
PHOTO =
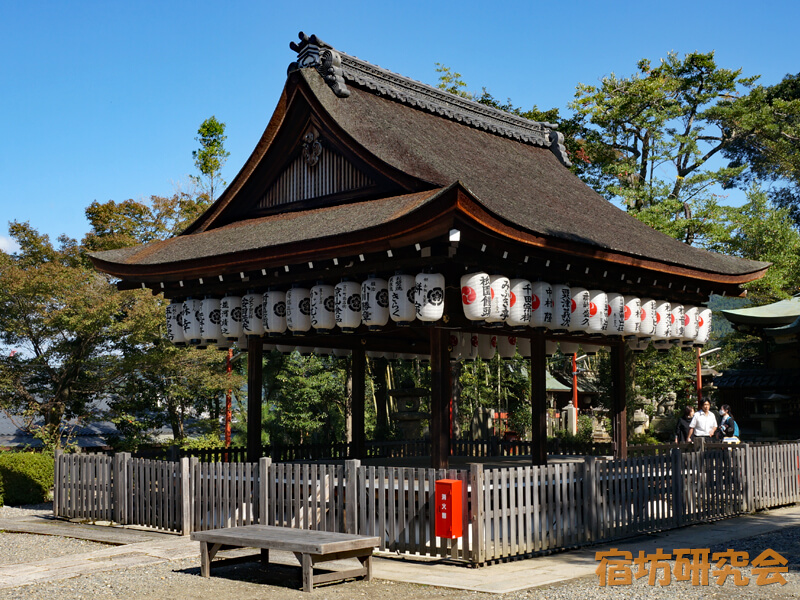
[(351, 495), (58, 485), (590, 501), (677, 486), (263, 489), (478, 514), (186, 497), (749, 458)]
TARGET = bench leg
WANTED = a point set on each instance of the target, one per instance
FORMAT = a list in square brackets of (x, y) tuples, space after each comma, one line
[(366, 561), (207, 553), (265, 557), (308, 573)]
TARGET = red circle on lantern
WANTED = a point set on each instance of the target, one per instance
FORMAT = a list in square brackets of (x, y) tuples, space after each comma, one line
[(494, 341), (513, 299), (699, 321), (642, 314), (474, 341), (593, 309), (468, 295), (512, 340), (608, 309), (685, 320), (535, 302), (573, 306), (627, 313), (671, 319), (658, 317)]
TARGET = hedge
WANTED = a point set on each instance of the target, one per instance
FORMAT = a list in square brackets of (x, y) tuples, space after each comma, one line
[(27, 477)]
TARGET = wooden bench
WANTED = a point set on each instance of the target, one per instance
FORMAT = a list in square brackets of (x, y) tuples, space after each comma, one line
[(310, 548)]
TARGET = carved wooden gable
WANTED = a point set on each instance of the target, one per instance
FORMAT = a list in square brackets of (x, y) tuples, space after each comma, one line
[(319, 170)]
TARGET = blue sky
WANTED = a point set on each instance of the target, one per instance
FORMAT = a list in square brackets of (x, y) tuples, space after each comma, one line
[(102, 100)]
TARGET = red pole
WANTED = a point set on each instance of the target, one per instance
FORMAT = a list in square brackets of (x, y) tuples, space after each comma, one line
[(228, 410), (575, 381), (699, 380)]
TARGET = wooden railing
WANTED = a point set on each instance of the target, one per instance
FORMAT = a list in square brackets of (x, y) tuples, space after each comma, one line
[(507, 512)]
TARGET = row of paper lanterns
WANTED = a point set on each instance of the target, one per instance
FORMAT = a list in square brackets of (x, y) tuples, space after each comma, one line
[(346, 305), (490, 299), (520, 303)]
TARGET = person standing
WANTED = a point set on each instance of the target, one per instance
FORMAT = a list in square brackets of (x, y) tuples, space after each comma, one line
[(682, 428), (703, 424)]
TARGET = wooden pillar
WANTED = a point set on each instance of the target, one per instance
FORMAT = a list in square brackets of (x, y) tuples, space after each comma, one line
[(619, 417), (255, 368), (538, 399), (440, 398), (359, 429)]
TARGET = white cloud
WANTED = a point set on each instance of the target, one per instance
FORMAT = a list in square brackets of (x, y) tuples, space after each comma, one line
[(8, 245)]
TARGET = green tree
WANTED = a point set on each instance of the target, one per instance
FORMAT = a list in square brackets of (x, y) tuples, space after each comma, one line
[(653, 135), (211, 156), (56, 314), (769, 142), (157, 383), (121, 224)]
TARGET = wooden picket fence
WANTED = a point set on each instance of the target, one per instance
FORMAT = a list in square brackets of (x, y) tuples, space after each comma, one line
[(507, 512)]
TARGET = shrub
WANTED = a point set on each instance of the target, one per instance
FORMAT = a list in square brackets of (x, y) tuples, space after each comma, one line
[(27, 477), (643, 439)]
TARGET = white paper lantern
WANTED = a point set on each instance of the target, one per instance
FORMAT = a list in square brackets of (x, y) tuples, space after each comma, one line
[(275, 312), (340, 352), (476, 296), (285, 348), (562, 311), (663, 320), (347, 305), (253, 314), (210, 330), (487, 346), (429, 296), (175, 323), (598, 312), (191, 320), (690, 325), (322, 308), (542, 305), (550, 347), (632, 315), (676, 322), (298, 310), (638, 344), (501, 298), (375, 303), (616, 314), (647, 318), (230, 317), (703, 326), (322, 351), (401, 299), (267, 348), (520, 304), (568, 347), (580, 309), (507, 346), (472, 349), (524, 347), (456, 345), (305, 350), (590, 349)]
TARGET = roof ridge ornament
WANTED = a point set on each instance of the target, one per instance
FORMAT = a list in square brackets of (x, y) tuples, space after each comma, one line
[(313, 52)]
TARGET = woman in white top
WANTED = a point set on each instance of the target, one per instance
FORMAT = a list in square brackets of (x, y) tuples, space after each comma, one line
[(703, 424)]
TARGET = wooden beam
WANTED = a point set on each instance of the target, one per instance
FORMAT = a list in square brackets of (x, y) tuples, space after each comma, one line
[(539, 399), (619, 417), (358, 421), (255, 368), (441, 398)]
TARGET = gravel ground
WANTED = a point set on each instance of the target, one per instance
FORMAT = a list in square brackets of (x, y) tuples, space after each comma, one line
[(180, 580)]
